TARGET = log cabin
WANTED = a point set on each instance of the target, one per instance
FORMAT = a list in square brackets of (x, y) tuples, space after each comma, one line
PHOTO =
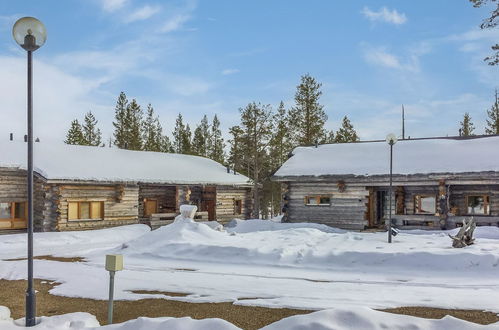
[(82, 187), (437, 182)]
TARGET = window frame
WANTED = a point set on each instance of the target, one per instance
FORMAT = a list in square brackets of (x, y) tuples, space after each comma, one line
[(486, 204), (417, 204), (89, 211), (13, 211), (317, 199)]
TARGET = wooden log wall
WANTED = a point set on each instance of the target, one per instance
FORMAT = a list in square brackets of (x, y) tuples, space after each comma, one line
[(226, 196), (13, 188), (348, 208), (165, 195), (13, 185), (458, 193), (120, 205)]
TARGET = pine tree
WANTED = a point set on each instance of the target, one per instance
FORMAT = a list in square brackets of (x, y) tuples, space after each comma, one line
[(467, 126), (74, 134), (120, 122), (166, 145), (346, 133), (308, 116), (493, 118), (217, 145), (329, 138), (153, 132), (91, 134), (279, 148), (236, 156), (134, 126), (178, 134), (187, 141), (256, 124), (280, 143), (201, 139)]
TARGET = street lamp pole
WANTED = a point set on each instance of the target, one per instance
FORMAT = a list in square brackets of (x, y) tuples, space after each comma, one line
[(391, 139), (30, 34), (30, 291)]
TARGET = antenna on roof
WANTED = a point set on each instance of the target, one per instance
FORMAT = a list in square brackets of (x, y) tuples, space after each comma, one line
[(11, 138), (403, 123)]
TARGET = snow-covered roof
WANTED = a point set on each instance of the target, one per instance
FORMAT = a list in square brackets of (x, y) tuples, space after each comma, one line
[(439, 155), (57, 161)]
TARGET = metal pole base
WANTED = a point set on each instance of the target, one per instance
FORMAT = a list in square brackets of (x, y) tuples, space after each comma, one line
[(30, 307)]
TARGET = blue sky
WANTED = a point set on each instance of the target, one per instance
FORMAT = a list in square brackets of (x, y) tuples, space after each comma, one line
[(213, 57)]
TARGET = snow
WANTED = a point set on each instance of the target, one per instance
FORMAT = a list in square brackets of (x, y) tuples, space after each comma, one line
[(270, 264), (253, 225), (61, 161), (409, 157), (339, 319), (366, 318)]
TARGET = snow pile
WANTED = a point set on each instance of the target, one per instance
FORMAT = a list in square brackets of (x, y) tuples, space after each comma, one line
[(161, 323), (254, 225), (64, 161), (73, 321), (4, 314), (70, 243), (338, 319), (368, 319), (487, 232), (409, 157), (267, 243)]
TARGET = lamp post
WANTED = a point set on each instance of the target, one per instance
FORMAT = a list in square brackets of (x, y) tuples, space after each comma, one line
[(391, 139), (30, 34)]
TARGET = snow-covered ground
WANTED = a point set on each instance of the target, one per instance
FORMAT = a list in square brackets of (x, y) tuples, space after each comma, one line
[(361, 318), (304, 266)]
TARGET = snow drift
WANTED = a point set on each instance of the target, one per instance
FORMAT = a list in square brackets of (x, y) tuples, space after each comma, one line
[(304, 244)]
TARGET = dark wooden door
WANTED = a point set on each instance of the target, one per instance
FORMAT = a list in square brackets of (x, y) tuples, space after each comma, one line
[(150, 207), (209, 202)]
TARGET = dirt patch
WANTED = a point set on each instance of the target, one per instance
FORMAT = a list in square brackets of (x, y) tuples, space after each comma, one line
[(166, 293), (185, 269), (52, 258), (245, 317), (471, 315)]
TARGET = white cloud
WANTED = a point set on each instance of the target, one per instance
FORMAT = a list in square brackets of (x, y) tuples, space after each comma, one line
[(58, 97), (227, 72), (113, 5), (174, 23), (143, 13), (384, 15), (380, 56)]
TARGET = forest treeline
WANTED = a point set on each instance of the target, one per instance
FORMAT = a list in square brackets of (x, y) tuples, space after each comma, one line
[(256, 147), (467, 128)]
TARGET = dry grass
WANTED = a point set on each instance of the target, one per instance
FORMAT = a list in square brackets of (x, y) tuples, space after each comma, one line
[(472, 315), (166, 293), (245, 317), (52, 258)]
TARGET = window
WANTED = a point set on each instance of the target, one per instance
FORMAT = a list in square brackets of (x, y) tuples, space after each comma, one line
[(85, 210), (238, 206), (425, 204), (477, 204), (317, 200), (14, 210)]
